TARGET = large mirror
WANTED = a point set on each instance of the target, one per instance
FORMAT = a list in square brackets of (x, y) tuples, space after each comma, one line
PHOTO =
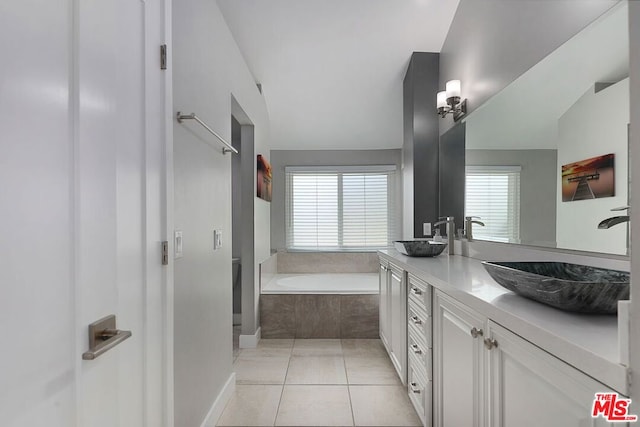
[(547, 157)]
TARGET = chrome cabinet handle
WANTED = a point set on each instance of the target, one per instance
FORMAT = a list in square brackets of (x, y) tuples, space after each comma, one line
[(416, 291), (414, 388), (416, 320), (490, 343), (416, 349), (475, 332)]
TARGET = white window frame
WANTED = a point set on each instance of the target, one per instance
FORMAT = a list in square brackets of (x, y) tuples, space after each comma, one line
[(392, 211)]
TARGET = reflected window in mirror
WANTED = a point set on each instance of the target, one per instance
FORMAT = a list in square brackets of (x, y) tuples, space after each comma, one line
[(493, 194)]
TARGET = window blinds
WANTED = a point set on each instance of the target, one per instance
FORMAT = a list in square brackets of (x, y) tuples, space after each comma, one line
[(340, 209), (493, 193)]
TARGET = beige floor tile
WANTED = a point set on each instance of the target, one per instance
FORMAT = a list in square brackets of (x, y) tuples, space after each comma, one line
[(382, 406), (371, 370), (252, 405), (364, 347), (316, 370), (245, 353), (314, 405), (317, 347), (260, 369), (269, 347)]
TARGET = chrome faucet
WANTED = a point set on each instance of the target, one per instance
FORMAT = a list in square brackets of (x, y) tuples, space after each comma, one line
[(614, 220), (451, 225), (468, 220)]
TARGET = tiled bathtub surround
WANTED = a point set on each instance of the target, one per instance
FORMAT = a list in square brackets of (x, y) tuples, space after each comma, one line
[(319, 316), (268, 269), (327, 262)]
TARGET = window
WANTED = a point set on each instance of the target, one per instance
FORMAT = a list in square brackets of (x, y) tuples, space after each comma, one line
[(493, 193), (340, 208)]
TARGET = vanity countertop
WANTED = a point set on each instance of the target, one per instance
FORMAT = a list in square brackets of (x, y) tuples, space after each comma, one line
[(587, 342)]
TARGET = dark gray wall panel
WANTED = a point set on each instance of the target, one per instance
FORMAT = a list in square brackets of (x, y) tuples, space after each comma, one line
[(421, 120), (452, 174)]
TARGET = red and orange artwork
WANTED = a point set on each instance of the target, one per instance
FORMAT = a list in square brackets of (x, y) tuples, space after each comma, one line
[(264, 179), (588, 179)]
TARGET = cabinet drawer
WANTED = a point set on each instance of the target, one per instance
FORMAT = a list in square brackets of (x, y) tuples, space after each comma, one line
[(420, 353), (420, 293), (396, 270), (419, 389), (420, 322)]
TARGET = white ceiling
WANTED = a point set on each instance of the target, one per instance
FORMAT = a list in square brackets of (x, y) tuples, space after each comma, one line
[(332, 70)]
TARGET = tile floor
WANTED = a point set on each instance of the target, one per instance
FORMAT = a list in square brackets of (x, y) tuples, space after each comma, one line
[(317, 382)]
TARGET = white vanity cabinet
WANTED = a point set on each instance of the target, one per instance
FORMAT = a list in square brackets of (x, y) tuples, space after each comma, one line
[(458, 364), (393, 315), (385, 305), (485, 375), (419, 343), (398, 320), (529, 387)]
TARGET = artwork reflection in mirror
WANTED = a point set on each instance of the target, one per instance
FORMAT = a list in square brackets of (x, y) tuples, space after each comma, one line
[(572, 105), (588, 179)]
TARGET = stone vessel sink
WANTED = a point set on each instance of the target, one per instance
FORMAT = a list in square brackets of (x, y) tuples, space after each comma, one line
[(569, 287), (420, 248)]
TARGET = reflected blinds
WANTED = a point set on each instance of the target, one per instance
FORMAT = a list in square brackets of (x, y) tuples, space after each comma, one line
[(493, 194), (340, 209)]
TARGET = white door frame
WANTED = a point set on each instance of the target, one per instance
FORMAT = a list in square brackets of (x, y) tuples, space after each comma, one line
[(168, 283)]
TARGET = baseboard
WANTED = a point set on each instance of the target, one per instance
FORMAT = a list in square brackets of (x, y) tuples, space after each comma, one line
[(221, 401), (250, 341)]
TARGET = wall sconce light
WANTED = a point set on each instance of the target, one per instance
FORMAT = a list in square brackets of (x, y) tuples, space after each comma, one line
[(449, 101)]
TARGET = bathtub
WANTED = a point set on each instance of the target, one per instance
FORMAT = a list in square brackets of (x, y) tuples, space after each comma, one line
[(328, 283), (332, 305)]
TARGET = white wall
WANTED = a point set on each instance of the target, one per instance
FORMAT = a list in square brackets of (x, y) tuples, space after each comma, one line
[(595, 125), (207, 70)]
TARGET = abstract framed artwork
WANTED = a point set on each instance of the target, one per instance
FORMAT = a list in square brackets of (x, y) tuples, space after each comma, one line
[(264, 178), (591, 178)]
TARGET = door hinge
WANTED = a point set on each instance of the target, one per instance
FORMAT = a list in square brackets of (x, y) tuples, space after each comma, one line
[(163, 57), (165, 253)]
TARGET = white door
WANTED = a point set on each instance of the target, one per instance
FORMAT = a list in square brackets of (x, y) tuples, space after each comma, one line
[(458, 364), (529, 387), (82, 205)]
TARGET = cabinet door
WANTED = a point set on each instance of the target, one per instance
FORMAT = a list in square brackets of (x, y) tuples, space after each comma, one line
[(384, 307), (530, 387), (398, 322), (458, 364)]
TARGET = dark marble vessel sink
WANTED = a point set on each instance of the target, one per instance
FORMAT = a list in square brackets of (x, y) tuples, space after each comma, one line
[(419, 247), (569, 287)]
